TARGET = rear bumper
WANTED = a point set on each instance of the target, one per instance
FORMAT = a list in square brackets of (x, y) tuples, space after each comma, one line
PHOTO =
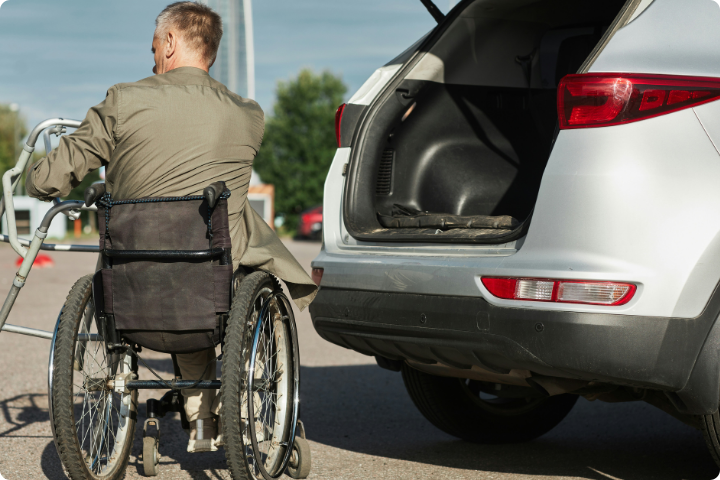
[(679, 356)]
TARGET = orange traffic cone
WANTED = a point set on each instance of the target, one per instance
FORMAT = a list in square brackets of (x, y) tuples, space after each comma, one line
[(41, 261)]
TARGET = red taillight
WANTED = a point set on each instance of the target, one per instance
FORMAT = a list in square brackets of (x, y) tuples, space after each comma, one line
[(338, 123), (604, 99), (317, 274), (560, 291), (501, 287)]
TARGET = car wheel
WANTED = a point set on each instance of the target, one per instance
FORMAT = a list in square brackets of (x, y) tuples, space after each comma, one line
[(460, 408), (711, 431)]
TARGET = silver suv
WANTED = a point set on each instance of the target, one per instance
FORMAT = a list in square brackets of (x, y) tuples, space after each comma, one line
[(524, 208)]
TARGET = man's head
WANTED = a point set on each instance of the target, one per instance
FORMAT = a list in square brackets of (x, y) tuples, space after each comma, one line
[(187, 34)]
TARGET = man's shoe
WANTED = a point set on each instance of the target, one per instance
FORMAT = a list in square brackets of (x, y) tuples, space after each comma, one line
[(206, 442)]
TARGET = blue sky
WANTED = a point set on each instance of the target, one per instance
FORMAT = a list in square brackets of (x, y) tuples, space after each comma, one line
[(58, 58)]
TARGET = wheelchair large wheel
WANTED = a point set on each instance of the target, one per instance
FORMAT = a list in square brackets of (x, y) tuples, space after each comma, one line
[(260, 380), (93, 425)]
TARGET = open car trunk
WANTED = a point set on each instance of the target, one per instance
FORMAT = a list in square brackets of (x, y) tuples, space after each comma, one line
[(454, 149)]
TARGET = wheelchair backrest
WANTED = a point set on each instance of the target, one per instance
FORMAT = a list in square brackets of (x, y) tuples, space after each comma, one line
[(167, 267)]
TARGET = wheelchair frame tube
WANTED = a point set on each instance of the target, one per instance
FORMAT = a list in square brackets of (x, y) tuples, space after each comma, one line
[(31, 332), (166, 254), (177, 384)]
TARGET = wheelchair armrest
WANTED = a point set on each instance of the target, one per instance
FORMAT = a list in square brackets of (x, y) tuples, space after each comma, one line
[(212, 193), (94, 192)]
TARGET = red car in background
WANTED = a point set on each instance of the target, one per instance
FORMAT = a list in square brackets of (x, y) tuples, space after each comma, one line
[(310, 226)]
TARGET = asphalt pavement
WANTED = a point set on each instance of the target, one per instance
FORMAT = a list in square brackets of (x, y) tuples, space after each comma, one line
[(359, 419)]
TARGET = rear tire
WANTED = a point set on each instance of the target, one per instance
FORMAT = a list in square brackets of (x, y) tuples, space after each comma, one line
[(711, 432), (450, 405), (256, 449), (94, 426)]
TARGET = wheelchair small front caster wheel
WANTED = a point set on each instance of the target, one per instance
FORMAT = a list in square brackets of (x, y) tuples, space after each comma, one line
[(151, 458), (300, 460)]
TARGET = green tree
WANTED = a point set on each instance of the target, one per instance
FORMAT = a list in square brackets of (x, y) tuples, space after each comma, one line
[(12, 131), (299, 142)]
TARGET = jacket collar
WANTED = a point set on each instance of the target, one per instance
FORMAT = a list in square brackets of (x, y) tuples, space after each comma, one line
[(188, 71)]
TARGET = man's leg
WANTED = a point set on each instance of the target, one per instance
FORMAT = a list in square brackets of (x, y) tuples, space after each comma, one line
[(199, 403)]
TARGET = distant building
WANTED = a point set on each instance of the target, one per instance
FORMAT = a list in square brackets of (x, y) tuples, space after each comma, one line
[(235, 63), (29, 212), (261, 197)]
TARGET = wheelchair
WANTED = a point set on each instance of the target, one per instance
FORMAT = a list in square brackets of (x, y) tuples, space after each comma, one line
[(166, 284)]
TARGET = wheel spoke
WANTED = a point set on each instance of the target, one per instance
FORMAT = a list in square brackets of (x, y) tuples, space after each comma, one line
[(99, 428)]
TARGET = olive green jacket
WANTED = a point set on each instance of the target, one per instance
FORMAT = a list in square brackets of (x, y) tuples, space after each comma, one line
[(172, 135)]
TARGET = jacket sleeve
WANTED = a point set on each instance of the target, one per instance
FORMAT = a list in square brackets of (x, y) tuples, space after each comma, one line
[(88, 148)]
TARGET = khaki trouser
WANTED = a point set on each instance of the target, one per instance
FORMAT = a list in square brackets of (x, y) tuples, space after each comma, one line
[(199, 404)]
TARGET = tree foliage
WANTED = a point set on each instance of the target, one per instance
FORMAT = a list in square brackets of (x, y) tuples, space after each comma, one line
[(10, 137), (299, 142)]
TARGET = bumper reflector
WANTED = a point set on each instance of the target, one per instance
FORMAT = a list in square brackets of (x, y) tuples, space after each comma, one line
[(317, 274), (560, 291)]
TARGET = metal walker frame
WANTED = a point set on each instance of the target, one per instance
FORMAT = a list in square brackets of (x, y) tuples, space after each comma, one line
[(29, 250)]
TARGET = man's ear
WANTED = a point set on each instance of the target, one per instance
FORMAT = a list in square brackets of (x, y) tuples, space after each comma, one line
[(171, 45)]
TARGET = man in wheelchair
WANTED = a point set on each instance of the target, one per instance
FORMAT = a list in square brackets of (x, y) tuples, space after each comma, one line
[(165, 140)]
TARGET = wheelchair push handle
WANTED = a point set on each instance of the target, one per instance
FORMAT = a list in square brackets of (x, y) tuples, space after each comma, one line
[(212, 193), (93, 193)]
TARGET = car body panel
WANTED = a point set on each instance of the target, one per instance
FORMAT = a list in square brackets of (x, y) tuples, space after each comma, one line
[(373, 85)]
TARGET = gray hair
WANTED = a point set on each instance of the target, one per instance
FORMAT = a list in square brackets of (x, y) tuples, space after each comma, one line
[(198, 24)]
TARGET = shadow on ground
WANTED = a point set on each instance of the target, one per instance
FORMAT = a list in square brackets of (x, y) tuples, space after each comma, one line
[(365, 409), (21, 411)]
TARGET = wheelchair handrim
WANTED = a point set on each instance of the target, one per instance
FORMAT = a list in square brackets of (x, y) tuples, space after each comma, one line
[(292, 342)]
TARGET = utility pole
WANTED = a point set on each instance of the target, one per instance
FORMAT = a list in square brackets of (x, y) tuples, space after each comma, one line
[(15, 108)]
